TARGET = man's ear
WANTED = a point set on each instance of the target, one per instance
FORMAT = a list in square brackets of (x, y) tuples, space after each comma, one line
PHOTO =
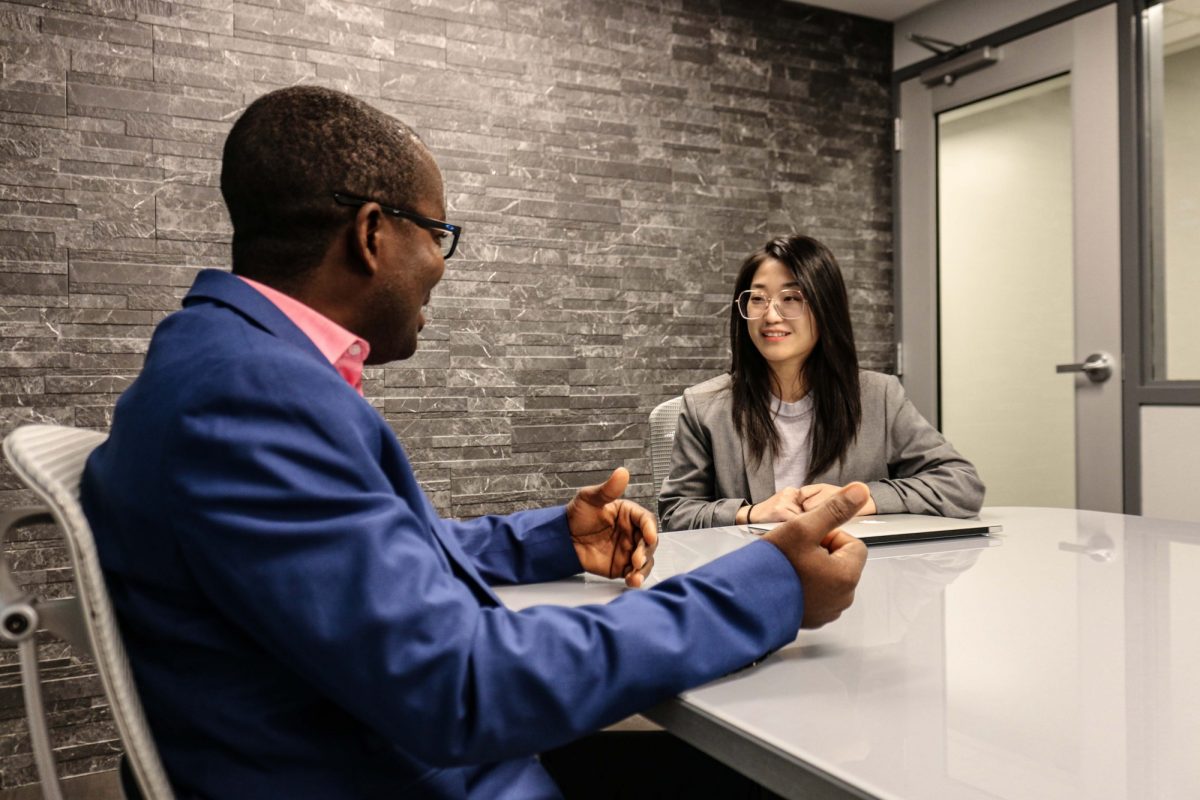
[(365, 236)]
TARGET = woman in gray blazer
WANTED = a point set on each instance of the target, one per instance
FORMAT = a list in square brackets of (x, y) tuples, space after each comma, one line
[(795, 419)]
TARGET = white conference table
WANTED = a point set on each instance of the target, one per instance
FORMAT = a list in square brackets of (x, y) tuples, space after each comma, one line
[(1057, 659)]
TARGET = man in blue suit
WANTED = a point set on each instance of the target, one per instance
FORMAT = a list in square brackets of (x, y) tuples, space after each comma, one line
[(300, 621)]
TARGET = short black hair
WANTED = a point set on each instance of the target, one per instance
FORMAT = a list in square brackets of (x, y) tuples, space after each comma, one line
[(286, 155)]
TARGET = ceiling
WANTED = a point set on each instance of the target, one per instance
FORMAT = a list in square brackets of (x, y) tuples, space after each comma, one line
[(1181, 25), (890, 10)]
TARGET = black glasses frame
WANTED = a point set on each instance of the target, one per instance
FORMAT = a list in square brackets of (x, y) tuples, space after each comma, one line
[(425, 222)]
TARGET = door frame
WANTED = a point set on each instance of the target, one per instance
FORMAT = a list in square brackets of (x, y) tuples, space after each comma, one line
[(1142, 388), (916, 288)]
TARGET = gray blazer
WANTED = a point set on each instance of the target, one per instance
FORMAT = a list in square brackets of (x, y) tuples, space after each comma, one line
[(907, 464)]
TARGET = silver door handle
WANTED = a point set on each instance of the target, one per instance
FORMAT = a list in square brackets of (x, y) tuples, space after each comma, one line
[(1098, 367)]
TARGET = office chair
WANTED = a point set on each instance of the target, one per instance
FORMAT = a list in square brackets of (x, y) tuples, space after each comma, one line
[(662, 439), (49, 459)]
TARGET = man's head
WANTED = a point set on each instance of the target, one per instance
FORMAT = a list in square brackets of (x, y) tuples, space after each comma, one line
[(370, 271)]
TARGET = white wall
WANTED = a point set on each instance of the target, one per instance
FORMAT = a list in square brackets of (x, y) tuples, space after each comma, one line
[(1171, 462), (961, 21)]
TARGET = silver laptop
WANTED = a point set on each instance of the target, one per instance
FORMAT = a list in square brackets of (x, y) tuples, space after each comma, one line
[(888, 528)]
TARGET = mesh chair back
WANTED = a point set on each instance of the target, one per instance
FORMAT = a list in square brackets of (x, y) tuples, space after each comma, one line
[(49, 459), (662, 439)]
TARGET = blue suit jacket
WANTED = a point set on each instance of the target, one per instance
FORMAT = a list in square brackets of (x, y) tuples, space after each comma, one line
[(301, 623)]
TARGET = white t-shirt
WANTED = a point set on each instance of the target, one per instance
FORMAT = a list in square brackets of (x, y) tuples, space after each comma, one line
[(794, 423)]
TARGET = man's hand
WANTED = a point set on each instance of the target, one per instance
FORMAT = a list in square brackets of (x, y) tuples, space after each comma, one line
[(829, 561), (815, 495), (613, 537)]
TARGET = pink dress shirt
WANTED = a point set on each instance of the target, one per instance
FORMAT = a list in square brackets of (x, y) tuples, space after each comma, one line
[(344, 350)]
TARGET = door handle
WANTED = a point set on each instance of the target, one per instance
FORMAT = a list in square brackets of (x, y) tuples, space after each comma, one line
[(1098, 367)]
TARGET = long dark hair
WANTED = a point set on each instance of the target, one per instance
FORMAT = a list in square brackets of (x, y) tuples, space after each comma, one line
[(830, 371)]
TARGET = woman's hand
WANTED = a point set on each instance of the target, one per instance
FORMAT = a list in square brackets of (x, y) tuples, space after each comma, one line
[(779, 507), (790, 501), (816, 495)]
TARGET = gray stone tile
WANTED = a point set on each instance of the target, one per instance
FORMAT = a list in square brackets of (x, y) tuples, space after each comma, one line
[(613, 163)]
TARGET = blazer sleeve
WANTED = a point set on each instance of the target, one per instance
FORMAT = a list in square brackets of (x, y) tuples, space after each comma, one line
[(687, 498), (525, 547), (293, 530), (926, 475)]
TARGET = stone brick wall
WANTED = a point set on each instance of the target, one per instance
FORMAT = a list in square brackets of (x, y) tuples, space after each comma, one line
[(612, 160)]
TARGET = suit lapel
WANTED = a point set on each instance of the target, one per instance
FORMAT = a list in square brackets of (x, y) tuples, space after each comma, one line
[(229, 290), (760, 477)]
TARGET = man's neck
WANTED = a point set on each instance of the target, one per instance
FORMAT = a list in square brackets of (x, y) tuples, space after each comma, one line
[(313, 290)]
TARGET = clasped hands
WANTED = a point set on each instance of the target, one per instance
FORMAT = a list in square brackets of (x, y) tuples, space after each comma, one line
[(793, 500)]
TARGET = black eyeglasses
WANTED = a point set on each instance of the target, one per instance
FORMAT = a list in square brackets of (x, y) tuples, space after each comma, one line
[(445, 233)]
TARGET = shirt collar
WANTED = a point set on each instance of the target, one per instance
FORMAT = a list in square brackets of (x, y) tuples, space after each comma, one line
[(341, 348)]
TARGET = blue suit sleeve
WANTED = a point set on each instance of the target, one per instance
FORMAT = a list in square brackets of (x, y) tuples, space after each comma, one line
[(525, 547), (299, 529)]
